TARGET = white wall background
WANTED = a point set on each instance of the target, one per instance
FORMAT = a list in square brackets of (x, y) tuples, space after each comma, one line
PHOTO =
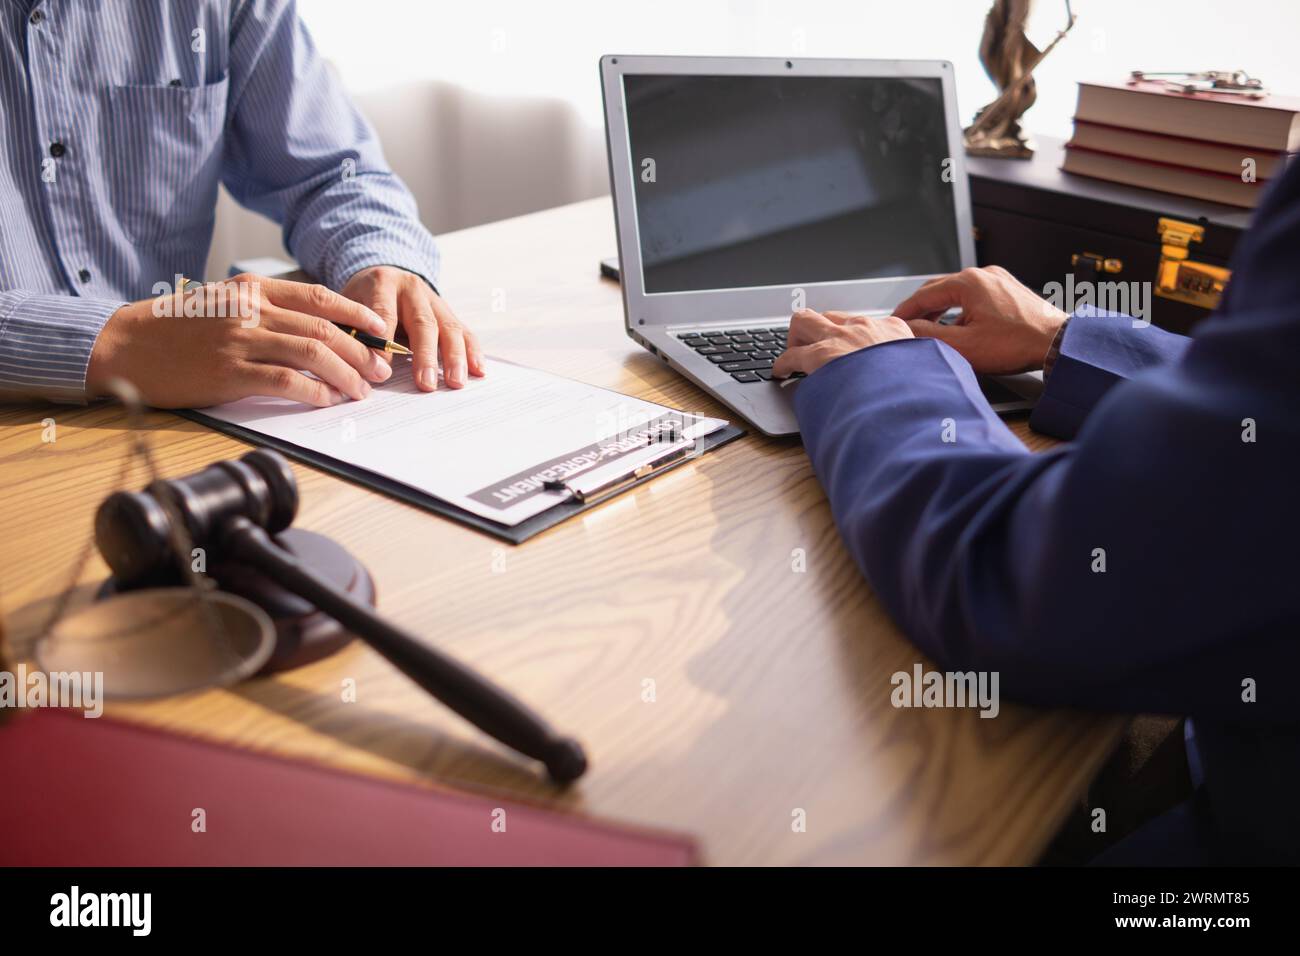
[(491, 108)]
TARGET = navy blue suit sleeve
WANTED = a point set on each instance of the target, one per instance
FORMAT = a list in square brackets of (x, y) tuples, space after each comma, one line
[(1099, 350), (1182, 481)]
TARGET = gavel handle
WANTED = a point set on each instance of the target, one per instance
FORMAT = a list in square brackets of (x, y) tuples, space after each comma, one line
[(493, 710)]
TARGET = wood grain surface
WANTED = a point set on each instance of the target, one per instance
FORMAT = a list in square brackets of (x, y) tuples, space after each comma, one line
[(771, 688)]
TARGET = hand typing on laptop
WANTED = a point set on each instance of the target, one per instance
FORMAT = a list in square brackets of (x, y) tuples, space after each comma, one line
[(816, 338), (1004, 327)]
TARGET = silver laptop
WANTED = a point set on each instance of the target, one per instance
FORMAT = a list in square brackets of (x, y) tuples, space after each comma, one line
[(746, 189)]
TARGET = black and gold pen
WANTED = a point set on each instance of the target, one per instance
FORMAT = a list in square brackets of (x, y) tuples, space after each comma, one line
[(375, 341)]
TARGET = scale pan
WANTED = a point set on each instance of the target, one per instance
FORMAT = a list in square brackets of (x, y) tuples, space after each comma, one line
[(161, 641)]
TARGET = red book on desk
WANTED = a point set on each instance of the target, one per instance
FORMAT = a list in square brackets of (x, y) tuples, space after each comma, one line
[(1270, 124), (95, 792)]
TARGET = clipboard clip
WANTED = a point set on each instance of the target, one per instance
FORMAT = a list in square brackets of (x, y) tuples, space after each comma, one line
[(610, 488)]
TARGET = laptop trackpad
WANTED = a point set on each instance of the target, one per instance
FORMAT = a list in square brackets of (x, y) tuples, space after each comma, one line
[(1012, 393)]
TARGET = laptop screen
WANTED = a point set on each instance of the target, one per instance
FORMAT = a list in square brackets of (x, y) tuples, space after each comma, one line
[(748, 181)]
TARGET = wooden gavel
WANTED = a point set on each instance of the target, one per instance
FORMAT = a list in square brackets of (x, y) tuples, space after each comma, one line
[(234, 508)]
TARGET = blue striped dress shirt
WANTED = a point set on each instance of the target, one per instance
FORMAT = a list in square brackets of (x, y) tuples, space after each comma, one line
[(121, 117)]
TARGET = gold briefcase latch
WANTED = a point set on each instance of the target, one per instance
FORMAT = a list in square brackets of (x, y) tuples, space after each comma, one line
[(1178, 277), (1099, 263)]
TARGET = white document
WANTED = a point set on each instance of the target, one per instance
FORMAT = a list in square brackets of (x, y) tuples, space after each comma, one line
[(489, 447)]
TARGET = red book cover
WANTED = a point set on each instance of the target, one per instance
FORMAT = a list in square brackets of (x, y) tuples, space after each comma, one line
[(97, 792), (1164, 136), (1231, 177), (1270, 124), (1270, 101)]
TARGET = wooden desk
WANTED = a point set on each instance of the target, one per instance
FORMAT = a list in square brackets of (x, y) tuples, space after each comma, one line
[(771, 687)]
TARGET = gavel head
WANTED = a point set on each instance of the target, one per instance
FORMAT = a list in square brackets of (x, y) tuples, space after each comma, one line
[(134, 533)]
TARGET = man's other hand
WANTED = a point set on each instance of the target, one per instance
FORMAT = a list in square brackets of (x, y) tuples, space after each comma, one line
[(1004, 327), (404, 300), (246, 336), (815, 338)]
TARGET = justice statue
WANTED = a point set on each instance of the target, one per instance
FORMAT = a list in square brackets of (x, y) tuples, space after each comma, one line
[(1009, 59)]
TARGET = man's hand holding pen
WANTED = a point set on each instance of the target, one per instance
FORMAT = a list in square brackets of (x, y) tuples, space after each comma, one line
[(250, 335), (405, 301)]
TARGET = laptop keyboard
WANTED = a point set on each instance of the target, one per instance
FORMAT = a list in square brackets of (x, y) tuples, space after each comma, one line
[(745, 353)]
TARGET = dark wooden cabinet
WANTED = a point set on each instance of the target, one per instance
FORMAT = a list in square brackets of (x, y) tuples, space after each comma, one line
[(1044, 225)]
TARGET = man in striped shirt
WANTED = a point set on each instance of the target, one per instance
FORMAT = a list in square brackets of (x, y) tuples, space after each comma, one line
[(120, 122)]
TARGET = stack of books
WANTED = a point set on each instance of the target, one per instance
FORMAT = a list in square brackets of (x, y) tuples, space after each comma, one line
[(1213, 146)]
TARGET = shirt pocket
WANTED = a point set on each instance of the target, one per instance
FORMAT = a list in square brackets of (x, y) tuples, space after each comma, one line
[(163, 159)]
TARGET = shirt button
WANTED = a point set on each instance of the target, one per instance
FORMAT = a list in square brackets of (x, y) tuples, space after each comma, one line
[(84, 275), (36, 17), (57, 150)]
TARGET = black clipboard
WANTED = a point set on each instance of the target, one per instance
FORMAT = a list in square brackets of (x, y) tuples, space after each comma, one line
[(515, 534)]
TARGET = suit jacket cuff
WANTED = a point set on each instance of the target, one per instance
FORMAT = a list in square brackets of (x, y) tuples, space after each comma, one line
[(1095, 350)]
